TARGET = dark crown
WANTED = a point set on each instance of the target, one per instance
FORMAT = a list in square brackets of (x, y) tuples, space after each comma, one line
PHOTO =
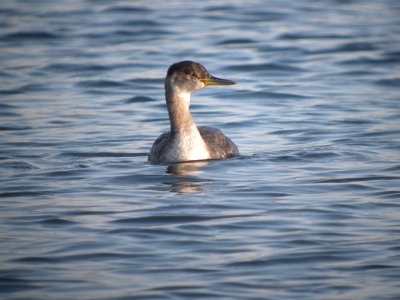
[(189, 67)]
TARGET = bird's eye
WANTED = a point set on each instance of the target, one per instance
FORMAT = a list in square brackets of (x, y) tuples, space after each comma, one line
[(189, 75)]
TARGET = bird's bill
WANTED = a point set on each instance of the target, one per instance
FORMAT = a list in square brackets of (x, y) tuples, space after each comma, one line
[(216, 81)]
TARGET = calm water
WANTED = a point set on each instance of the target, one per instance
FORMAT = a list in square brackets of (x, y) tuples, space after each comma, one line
[(311, 208)]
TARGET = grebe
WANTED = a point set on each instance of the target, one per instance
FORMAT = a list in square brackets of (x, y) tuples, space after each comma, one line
[(186, 141)]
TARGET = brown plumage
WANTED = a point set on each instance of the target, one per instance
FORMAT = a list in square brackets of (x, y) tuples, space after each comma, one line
[(185, 141)]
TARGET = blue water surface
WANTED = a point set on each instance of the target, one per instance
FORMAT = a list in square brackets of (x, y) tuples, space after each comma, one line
[(309, 210)]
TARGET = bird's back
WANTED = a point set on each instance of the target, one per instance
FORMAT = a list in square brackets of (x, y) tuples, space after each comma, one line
[(159, 150), (218, 144)]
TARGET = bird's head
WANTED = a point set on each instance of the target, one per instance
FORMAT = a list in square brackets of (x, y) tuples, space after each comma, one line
[(188, 76)]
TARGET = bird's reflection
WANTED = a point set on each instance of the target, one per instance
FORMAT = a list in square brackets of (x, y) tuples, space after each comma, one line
[(187, 172), (190, 168)]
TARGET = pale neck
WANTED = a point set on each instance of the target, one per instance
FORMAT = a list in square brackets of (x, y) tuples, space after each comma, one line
[(178, 103)]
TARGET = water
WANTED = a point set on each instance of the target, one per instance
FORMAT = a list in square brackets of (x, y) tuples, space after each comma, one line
[(309, 210)]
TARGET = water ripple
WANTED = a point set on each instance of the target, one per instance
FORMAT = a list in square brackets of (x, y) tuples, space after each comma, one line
[(103, 154), (72, 67), (17, 165), (272, 67), (56, 222), (171, 219), (392, 82), (101, 84), (14, 128), (138, 99), (308, 210), (237, 42), (313, 36), (30, 36), (244, 94), (12, 284), (126, 9), (366, 178)]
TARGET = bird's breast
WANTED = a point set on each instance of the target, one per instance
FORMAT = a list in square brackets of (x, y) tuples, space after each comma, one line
[(189, 145)]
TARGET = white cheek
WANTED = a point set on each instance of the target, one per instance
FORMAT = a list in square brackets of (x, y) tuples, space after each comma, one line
[(191, 85), (199, 85), (180, 84)]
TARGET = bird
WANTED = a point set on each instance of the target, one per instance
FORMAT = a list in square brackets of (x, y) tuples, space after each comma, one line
[(186, 141)]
